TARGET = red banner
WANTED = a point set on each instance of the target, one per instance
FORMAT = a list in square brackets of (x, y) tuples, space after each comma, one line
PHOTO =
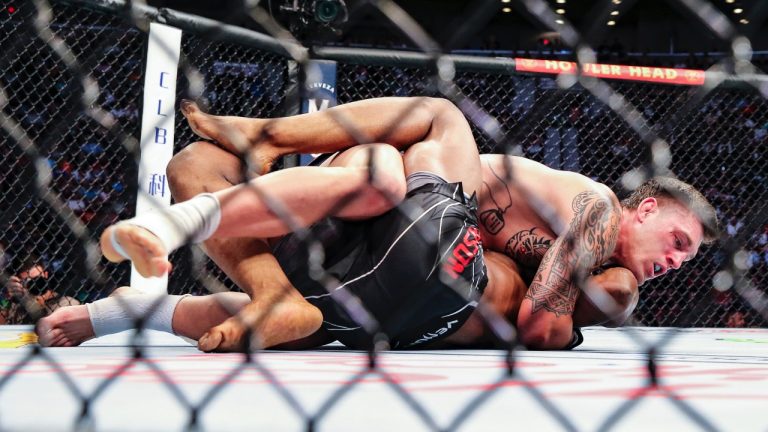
[(609, 71)]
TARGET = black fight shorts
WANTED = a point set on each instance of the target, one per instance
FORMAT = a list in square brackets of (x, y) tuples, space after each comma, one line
[(417, 270)]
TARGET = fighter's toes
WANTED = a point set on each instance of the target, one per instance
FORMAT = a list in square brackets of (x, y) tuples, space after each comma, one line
[(66, 326), (143, 248), (210, 341), (49, 337), (196, 118)]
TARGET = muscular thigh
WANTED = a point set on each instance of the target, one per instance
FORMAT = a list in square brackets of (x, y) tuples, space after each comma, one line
[(382, 157), (449, 150)]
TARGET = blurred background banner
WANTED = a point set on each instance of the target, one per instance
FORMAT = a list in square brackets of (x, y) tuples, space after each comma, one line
[(319, 91)]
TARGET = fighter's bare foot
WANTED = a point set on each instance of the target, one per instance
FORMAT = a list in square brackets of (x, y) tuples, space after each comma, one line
[(228, 336), (234, 133), (144, 248), (65, 327), (272, 324)]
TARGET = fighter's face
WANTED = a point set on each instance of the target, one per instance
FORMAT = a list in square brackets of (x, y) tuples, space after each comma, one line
[(665, 236)]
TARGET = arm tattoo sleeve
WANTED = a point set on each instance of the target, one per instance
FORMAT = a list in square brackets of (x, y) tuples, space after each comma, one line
[(590, 240)]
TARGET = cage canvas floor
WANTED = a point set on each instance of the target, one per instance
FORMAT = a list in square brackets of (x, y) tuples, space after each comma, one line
[(709, 379)]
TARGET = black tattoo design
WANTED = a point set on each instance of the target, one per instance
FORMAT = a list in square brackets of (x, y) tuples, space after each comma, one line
[(493, 219), (527, 247), (589, 241)]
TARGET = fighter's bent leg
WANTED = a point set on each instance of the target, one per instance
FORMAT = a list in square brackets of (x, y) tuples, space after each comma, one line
[(355, 190), (192, 316), (349, 187), (385, 183), (436, 124), (399, 122), (388, 188), (203, 167), (448, 150)]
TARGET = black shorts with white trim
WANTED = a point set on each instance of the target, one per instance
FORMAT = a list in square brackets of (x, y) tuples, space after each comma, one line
[(418, 270)]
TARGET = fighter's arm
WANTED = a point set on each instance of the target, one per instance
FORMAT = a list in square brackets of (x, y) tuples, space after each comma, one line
[(612, 297), (545, 320), (609, 300)]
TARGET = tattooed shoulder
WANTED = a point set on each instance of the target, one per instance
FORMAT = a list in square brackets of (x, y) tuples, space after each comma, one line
[(595, 226), (589, 241)]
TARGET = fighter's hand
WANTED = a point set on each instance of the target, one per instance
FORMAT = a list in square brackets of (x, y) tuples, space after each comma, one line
[(621, 286), (229, 336)]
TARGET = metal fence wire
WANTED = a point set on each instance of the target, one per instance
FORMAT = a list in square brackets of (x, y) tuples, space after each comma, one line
[(71, 77), (719, 147)]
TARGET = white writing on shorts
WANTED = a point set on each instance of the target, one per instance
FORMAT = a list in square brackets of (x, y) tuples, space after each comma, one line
[(431, 335)]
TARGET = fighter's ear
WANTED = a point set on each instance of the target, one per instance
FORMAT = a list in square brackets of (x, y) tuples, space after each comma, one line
[(646, 207)]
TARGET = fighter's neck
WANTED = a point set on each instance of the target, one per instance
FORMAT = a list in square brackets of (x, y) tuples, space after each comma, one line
[(620, 250)]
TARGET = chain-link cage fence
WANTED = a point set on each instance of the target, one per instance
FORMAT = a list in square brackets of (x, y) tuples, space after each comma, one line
[(70, 153), (93, 173), (719, 147)]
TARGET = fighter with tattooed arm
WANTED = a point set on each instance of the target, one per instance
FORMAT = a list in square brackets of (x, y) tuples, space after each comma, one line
[(561, 229)]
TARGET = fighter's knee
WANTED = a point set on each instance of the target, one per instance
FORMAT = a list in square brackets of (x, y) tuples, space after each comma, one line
[(199, 167), (384, 192), (183, 161), (440, 107), (391, 185), (190, 156), (312, 315)]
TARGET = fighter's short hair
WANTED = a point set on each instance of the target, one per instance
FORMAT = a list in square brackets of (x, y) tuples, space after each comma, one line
[(668, 188)]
